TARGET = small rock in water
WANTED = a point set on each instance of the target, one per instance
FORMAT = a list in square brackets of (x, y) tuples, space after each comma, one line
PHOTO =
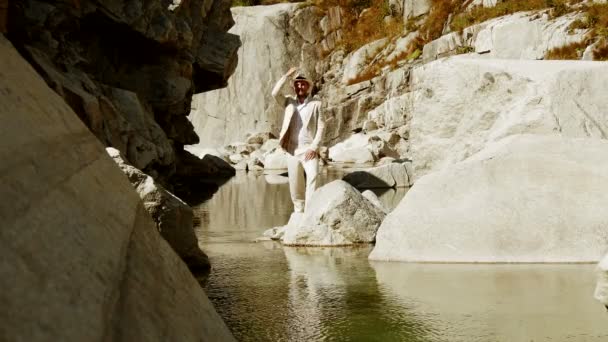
[(337, 215)]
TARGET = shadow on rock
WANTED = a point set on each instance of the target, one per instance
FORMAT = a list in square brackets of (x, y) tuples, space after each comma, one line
[(197, 179)]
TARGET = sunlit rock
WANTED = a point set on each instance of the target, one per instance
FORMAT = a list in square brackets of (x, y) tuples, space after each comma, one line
[(526, 198), (336, 215)]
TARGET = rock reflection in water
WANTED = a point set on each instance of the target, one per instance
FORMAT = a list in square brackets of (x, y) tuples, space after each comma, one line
[(260, 289), (489, 302), (333, 296)]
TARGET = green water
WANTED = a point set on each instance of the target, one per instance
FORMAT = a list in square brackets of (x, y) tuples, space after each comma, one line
[(266, 292)]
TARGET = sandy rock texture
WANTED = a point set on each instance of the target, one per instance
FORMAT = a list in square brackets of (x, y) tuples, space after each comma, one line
[(81, 258)]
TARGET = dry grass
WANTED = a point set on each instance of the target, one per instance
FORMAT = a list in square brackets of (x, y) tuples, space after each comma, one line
[(570, 51), (432, 27), (595, 18), (480, 14), (600, 53), (369, 73), (363, 29)]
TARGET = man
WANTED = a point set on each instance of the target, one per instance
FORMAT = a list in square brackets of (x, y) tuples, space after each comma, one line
[(300, 136)]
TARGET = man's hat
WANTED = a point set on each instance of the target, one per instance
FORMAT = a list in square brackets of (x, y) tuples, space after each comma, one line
[(301, 78)]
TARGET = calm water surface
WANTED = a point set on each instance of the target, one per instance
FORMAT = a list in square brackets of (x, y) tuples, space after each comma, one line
[(266, 292)]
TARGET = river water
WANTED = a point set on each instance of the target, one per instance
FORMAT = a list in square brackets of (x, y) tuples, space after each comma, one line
[(266, 292)]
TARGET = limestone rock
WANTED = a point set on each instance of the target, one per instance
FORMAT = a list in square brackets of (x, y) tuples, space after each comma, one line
[(394, 112), (402, 45), (352, 150), (359, 59), (173, 217), (396, 7), (260, 138), (483, 3), (415, 8), (82, 259), (209, 166), (369, 125), (601, 290), (236, 158), (524, 35), (381, 148), (526, 198), (337, 215), (385, 161), (255, 161), (457, 114), (270, 145), (364, 148), (202, 152), (527, 39), (276, 160), (393, 175), (371, 196), (356, 155)]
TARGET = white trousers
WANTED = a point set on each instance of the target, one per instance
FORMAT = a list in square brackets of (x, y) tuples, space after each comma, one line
[(302, 187)]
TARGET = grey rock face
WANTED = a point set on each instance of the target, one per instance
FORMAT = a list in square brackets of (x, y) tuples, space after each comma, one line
[(524, 35), (337, 215), (274, 38), (129, 69), (526, 198), (454, 117), (81, 258), (173, 217)]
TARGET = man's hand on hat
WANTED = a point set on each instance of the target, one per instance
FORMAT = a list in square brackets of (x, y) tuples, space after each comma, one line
[(292, 71)]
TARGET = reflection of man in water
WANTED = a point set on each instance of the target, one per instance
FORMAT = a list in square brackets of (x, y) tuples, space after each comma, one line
[(300, 136)]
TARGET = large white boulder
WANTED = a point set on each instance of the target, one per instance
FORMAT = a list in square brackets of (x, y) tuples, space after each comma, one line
[(601, 290), (173, 217), (527, 198), (352, 150), (523, 35), (462, 104), (81, 258), (517, 36), (276, 159), (336, 215)]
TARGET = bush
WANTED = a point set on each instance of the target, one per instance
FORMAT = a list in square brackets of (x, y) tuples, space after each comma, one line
[(570, 51)]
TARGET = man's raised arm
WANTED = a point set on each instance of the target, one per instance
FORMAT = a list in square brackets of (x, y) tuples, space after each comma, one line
[(276, 91)]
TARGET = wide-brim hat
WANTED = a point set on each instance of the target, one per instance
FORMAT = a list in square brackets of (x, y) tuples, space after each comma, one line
[(301, 78)]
